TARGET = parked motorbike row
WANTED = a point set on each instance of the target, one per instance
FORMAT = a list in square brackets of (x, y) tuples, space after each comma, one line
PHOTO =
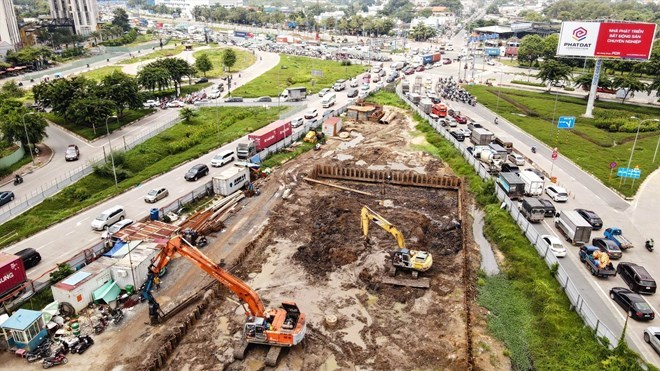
[(451, 90)]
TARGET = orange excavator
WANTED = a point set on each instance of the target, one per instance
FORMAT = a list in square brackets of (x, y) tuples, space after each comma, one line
[(277, 328)]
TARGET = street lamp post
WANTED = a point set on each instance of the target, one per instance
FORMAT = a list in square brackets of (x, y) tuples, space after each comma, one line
[(632, 151), (27, 136), (112, 157)]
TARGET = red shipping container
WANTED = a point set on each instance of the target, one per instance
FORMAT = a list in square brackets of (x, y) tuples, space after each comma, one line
[(271, 134), (436, 57), (12, 273)]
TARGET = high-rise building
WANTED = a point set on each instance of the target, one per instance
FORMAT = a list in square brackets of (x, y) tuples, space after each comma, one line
[(84, 13), (10, 38)]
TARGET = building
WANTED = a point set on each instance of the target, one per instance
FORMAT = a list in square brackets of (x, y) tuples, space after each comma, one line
[(10, 38), (84, 13), (436, 22), (187, 6), (24, 330)]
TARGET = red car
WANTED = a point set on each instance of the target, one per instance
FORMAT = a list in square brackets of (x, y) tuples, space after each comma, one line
[(409, 71), (419, 68), (456, 115), (606, 90), (446, 61)]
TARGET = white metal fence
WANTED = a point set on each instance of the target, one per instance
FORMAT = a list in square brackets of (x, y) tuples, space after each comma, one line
[(573, 294)]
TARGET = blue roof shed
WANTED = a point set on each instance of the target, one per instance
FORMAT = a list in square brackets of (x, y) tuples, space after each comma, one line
[(25, 329)]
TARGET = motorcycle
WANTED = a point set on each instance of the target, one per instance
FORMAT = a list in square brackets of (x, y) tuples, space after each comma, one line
[(84, 342), (56, 360), (100, 326), (117, 316), (533, 149), (18, 180), (649, 244), (42, 351)]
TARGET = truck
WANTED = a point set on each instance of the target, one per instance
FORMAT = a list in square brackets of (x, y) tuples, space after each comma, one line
[(614, 234), (511, 185), (599, 264), (504, 143), (329, 100), (499, 150), (573, 226), (231, 180), (533, 183), (425, 105), (439, 110), (532, 209), (270, 134), (12, 275), (492, 160), (245, 150), (481, 137), (405, 86), (294, 94)]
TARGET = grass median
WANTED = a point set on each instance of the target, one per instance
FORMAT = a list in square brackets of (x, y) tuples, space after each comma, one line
[(244, 59), (161, 53), (294, 71), (211, 128), (528, 310), (590, 147), (99, 73), (113, 124)]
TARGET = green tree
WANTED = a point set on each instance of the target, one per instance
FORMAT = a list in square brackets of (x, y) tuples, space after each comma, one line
[(121, 89), (229, 58), (203, 64), (630, 84), (187, 114), (553, 72), (10, 89), (584, 81), (63, 271), (176, 68), (120, 19), (654, 85), (152, 78), (12, 114), (59, 94), (422, 32), (90, 112), (550, 44), (531, 48)]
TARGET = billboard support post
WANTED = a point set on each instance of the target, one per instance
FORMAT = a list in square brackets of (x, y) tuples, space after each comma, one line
[(594, 86)]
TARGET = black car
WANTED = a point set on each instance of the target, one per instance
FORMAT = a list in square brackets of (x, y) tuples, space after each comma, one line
[(29, 256), (6, 197), (509, 168), (608, 246), (591, 218), (390, 79), (435, 100), (84, 342), (550, 209), (202, 80), (458, 135), (196, 172), (233, 99), (636, 277), (632, 303), (264, 99), (352, 93)]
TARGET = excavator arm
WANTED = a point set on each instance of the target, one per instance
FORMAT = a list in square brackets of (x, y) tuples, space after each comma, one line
[(179, 245), (368, 215)]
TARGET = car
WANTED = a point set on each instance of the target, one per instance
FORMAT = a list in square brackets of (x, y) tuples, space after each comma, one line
[(6, 197), (516, 159), (553, 244), (591, 218), (633, 303), (382, 73), (156, 194), (196, 172), (538, 172), (324, 92), (363, 94), (376, 78), (550, 209), (311, 114), (408, 71), (174, 104), (215, 94), (233, 99), (607, 246), (202, 80), (264, 99), (390, 78), (509, 168), (419, 68), (364, 86), (605, 90), (352, 93), (490, 62), (312, 122), (429, 66), (29, 256), (151, 103), (636, 277), (298, 121), (72, 153), (652, 336), (353, 83), (446, 61), (116, 228), (556, 193)]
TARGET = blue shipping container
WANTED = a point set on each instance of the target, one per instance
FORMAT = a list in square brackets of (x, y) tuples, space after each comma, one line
[(428, 59), (240, 33), (492, 51)]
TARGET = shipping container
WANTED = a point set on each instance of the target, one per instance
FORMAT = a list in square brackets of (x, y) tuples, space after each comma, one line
[(427, 59), (332, 126), (240, 34), (573, 226), (271, 134), (425, 105), (481, 137), (231, 180), (436, 57), (78, 288), (133, 268), (12, 273)]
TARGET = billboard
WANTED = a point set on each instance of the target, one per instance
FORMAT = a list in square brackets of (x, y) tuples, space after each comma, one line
[(606, 40)]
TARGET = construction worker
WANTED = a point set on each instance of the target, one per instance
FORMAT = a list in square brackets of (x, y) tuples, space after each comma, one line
[(157, 282)]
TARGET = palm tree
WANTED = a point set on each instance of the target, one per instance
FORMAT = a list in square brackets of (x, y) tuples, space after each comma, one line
[(553, 72), (629, 84), (654, 85)]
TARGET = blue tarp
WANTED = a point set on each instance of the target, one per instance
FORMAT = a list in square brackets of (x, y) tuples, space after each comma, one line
[(118, 245)]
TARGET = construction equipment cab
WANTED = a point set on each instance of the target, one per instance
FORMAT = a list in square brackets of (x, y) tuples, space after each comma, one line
[(403, 258)]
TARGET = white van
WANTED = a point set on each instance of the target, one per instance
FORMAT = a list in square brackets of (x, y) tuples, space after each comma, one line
[(222, 158), (329, 100), (516, 159), (108, 218)]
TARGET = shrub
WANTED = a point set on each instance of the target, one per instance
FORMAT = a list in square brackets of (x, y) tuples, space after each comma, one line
[(529, 83)]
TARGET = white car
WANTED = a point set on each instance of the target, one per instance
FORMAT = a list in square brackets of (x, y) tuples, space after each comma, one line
[(365, 86), (298, 121), (354, 83), (652, 336), (311, 114), (363, 94), (324, 92), (556, 193), (174, 104), (115, 228), (516, 159), (553, 244), (490, 62), (151, 103)]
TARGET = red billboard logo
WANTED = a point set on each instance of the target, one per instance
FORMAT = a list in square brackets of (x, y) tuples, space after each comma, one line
[(579, 34)]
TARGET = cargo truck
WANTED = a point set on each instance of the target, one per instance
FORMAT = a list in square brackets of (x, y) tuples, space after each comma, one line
[(600, 264), (614, 234), (573, 227), (533, 184), (12, 275), (231, 180), (481, 137), (511, 185), (532, 209), (294, 94), (425, 105), (263, 138)]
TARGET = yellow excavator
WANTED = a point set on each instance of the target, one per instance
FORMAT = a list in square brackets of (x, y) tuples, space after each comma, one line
[(414, 260)]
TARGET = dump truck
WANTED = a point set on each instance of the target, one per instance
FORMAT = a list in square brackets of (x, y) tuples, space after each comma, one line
[(596, 261), (614, 234), (573, 227), (294, 94)]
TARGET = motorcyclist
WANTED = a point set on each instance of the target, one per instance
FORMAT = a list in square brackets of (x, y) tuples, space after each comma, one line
[(533, 149), (496, 121), (18, 179)]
